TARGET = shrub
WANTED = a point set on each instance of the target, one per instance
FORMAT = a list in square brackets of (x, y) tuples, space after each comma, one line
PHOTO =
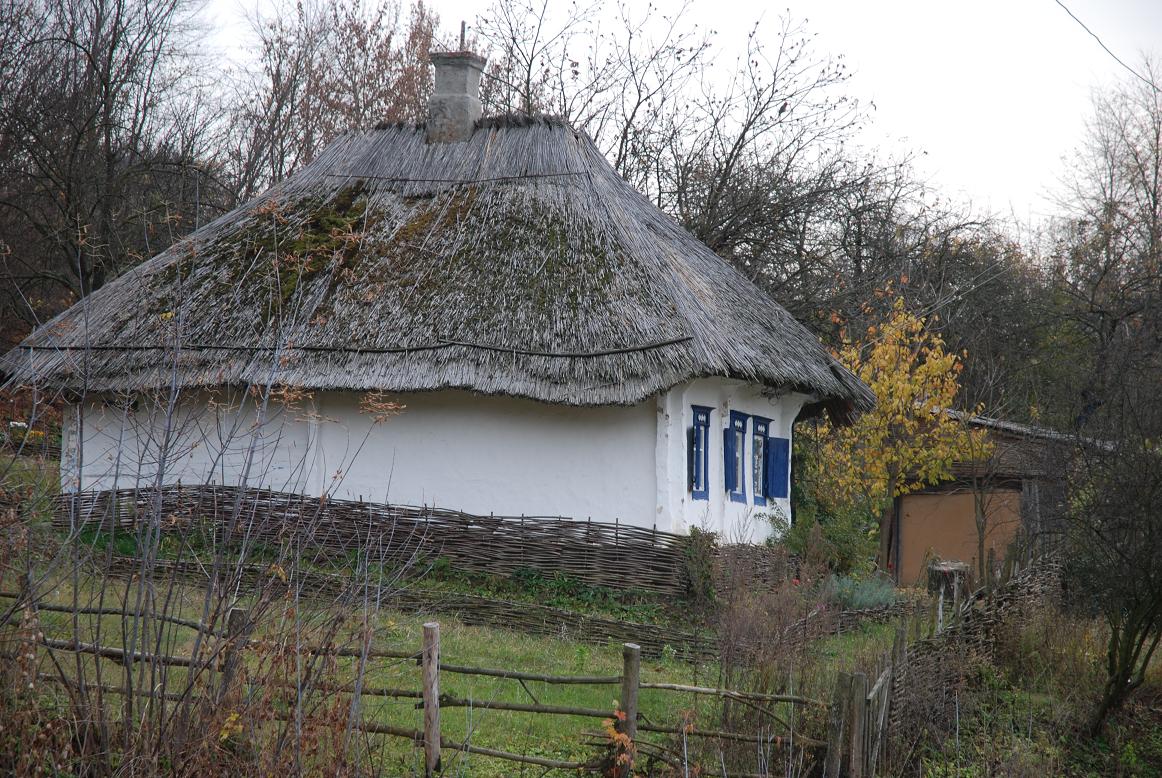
[(855, 593), (840, 540), (699, 557)]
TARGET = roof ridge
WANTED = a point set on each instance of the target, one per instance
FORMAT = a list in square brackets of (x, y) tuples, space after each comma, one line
[(500, 121)]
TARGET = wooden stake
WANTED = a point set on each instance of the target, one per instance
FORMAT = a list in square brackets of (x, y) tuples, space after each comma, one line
[(235, 643), (836, 719), (858, 725), (631, 655), (431, 679)]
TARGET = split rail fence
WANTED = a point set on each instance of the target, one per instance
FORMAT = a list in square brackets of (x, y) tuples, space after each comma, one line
[(235, 641), (863, 717)]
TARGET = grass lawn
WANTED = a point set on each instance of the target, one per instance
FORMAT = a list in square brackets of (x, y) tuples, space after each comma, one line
[(555, 736)]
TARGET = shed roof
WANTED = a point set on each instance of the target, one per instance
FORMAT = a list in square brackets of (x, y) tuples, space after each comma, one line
[(517, 263)]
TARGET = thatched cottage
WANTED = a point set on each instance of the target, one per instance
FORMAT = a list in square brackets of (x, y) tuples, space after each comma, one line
[(561, 346)]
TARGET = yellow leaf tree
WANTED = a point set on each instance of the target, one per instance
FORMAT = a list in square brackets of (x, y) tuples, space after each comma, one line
[(908, 440)]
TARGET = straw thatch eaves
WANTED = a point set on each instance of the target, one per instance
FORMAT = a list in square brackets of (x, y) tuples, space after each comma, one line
[(517, 263)]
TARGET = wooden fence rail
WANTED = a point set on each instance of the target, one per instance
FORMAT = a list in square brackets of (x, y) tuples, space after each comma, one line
[(226, 657), (83, 610)]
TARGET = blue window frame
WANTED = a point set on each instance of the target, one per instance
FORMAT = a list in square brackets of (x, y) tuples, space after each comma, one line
[(758, 455), (778, 464), (698, 453), (734, 456)]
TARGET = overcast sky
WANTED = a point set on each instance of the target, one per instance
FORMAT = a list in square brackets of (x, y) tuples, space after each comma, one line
[(993, 92)]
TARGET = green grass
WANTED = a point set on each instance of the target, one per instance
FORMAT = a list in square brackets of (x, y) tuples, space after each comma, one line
[(545, 735), (36, 480), (553, 589), (556, 736)]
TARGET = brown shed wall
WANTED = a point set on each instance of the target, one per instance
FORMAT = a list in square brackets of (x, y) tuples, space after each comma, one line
[(943, 524)]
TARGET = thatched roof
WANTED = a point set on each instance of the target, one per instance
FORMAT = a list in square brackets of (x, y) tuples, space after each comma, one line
[(518, 263)]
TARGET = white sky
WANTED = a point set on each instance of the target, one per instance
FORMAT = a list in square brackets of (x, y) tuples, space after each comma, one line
[(994, 93)]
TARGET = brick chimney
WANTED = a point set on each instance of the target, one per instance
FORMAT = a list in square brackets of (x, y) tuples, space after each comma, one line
[(455, 103)]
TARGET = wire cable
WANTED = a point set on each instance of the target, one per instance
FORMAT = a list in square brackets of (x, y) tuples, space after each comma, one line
[(1107, 48)]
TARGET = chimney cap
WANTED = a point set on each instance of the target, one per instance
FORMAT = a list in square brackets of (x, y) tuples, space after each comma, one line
[(456, 57)]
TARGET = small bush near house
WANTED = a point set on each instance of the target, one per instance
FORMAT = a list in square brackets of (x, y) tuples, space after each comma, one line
[(843, 541), (851, 592)]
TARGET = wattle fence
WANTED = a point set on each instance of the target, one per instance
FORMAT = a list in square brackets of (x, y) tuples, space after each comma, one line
[(474, 610), (596, 553), (877, 718), (613, 555)]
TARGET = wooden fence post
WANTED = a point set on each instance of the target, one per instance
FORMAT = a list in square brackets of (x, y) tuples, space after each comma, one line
[(895, 691), (939, 611), (431, 680), (836, 719), (236, 628), (631, 655), (857, 724)]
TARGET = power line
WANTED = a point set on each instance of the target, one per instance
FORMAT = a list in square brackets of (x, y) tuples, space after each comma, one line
[(1117, 59)]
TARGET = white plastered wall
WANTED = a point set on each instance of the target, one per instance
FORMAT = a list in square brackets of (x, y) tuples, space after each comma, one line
[(200, 437), (734, 521), (497, 455), (450, 449)]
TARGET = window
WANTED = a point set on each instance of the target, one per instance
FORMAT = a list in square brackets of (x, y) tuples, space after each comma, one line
[(778, 465), (698, 457), (734, 456), (758, 448)]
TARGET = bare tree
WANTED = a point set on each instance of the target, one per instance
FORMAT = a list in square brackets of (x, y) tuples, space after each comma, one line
[(1107, 254), (153, 578), (102, 142), (1114, 537), (1108, 346), (324, 69)]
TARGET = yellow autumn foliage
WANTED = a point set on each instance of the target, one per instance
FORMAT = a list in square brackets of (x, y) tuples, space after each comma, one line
[(908, 440)]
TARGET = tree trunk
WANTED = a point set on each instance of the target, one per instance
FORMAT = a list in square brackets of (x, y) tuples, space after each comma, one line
[(1114, 693), (886, 522), (981, 517)]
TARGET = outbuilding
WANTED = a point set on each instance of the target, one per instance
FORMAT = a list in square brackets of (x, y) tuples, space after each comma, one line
[(559, 346), (1006, 507)]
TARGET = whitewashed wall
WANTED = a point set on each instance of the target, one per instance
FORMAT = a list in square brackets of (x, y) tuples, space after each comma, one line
[(449, 449), (734, 521), (495, 455), (200, 438)]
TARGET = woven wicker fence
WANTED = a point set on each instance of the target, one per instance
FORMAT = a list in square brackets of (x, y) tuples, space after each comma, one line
[(600, 554), (529, 618), (931, 671)]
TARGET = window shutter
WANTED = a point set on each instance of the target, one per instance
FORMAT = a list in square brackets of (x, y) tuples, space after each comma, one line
[(691, 459), (778, 466), (728, 458)]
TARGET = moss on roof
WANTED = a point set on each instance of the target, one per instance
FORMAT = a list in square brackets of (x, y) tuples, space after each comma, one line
[(517, 263)]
